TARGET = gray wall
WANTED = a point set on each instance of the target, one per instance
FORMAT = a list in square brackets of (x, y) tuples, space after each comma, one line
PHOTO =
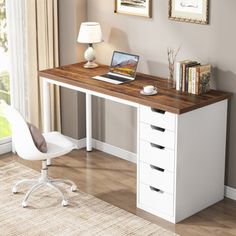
[(214, 43), (71, 13)]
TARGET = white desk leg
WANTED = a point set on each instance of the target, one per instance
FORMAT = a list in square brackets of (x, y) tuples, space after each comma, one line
[(46, 110), (88, 122)]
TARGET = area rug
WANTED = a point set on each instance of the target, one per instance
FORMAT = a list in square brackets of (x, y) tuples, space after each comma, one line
[(86, 215)]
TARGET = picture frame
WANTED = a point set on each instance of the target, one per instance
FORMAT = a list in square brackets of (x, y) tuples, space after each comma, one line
[(191, 11), (134, 7)]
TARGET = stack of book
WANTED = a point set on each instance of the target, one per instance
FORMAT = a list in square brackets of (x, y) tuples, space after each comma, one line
[(192, 77)]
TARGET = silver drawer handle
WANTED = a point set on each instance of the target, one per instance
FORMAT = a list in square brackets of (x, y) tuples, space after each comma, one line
[(157, 168), (158, 111), (158, 128), (157, 146), (156, 190)]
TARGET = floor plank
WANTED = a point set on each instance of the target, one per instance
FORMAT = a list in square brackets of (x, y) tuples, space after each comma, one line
[(114, 180)]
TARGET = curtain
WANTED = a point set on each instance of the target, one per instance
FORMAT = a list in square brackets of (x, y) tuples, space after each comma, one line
[(41, 24), (16, 48)]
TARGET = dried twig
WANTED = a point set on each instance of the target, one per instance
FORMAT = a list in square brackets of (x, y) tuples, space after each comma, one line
[(172, 54)]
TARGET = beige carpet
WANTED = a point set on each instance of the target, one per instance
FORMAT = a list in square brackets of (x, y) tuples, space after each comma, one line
[(86, 214)]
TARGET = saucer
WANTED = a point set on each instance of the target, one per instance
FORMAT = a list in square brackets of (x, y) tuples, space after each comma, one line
[(149, 94)]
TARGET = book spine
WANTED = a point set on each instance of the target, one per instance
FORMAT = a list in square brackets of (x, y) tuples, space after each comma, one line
[(193, 80), (190, 80), (186, 78), (180, 78), (197, 81), (183, 77), (178, 75)]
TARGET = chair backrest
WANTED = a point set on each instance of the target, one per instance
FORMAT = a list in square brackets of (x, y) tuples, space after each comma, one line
[(21, 136)]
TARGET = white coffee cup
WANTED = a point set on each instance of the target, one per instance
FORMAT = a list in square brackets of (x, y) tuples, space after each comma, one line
[(149, 89)]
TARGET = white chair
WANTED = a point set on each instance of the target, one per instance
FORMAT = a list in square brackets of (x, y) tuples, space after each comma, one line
[(57, 145)]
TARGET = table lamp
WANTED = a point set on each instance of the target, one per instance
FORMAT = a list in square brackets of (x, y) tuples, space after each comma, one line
[(90, 32)]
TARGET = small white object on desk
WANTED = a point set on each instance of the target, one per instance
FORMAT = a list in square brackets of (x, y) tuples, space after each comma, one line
[(149, 90)]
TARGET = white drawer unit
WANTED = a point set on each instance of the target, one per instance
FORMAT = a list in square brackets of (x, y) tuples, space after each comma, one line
[(157, 177), (181, 139), (157, 135), (157, 117), (180, 160), (156, 199), (157, 155)]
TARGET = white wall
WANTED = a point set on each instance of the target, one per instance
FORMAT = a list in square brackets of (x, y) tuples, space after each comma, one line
[(214, 43)]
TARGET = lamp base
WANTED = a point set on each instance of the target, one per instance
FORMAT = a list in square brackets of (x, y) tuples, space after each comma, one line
[(90, 65)]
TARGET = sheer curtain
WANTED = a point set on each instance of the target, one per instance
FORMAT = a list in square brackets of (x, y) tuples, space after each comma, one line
[(33, 44), (42, 53), (16, 43)]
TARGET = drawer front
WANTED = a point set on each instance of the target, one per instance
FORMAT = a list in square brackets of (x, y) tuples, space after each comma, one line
[(156, 177), (158, 201), (157, 117), (151, 134), (156, 155)]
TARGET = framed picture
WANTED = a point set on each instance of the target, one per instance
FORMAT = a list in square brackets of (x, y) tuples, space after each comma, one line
[(134, 7), (193, 11)]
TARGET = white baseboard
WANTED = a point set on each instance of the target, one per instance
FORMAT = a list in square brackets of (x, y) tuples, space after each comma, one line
[(81, 143), (115, 151), (5, 148), (104, 147), (230, 192)]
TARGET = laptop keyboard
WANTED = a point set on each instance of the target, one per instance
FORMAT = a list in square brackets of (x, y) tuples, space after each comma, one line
[(113, 77)]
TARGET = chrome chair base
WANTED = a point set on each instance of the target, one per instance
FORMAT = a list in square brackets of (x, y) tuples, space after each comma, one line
[(42, 181)]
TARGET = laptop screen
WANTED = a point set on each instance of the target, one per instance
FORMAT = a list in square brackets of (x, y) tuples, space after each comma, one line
[(124, 64)]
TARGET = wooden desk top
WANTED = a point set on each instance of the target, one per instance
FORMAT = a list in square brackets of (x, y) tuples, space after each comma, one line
[(167, 99)]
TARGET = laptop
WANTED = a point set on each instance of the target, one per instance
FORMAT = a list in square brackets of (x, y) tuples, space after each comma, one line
[(122, 69)]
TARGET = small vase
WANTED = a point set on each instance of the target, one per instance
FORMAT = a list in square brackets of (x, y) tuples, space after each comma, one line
[(171, 78)]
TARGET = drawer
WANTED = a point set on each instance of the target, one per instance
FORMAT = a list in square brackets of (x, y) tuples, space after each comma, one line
[(156, 200), (155, 135), (156, 177), (156, 155), (157, 117)]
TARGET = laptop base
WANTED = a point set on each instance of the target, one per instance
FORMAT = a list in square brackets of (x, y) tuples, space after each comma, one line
[(107, 80), (111, 79)]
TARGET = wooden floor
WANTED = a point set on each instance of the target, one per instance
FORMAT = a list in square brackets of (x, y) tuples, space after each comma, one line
[(114, 180)]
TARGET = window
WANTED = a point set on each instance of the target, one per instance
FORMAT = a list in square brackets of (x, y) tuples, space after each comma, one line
[(5, 131)]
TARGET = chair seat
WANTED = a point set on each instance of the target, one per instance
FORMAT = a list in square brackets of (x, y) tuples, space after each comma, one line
[(57, 144)]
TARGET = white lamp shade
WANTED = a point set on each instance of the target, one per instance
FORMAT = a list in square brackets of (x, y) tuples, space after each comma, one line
[(90, 32)]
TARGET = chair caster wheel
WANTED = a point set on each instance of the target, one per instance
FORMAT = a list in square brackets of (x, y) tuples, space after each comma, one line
[(64, 203), (14, 190), (73, 188), (24, 204)]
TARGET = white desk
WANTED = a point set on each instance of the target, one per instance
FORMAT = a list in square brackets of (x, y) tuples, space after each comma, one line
[(180, 139)]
